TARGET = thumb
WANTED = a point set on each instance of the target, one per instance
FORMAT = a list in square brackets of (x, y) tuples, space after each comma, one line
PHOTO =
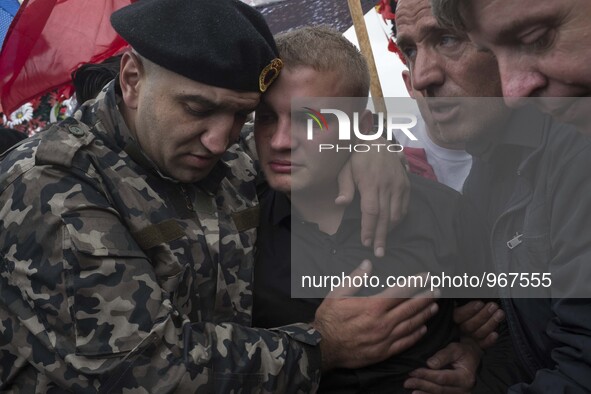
[(346, 290)]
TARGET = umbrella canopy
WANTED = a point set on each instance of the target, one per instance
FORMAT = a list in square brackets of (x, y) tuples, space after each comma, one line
[(290, 14)]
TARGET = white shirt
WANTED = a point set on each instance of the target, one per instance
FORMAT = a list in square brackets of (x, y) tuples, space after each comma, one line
[(451, 166)]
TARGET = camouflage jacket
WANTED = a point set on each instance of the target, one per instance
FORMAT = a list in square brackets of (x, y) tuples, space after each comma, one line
[(115, 278)]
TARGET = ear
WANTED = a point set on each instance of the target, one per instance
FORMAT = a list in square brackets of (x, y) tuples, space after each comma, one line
[(366, 122), (130, 77), (407, 81)]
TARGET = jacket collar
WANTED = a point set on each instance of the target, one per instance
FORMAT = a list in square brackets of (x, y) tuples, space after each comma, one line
[(524, 128)]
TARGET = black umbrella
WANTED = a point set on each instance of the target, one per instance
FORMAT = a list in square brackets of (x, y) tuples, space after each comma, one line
[(290, 14)]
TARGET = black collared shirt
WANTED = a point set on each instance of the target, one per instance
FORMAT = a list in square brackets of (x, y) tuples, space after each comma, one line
[(436, 235)]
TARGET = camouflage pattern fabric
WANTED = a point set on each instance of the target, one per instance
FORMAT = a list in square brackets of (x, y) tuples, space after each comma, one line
[(114, 278)]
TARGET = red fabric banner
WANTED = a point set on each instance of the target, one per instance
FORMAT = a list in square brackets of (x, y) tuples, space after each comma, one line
[(48, 39)]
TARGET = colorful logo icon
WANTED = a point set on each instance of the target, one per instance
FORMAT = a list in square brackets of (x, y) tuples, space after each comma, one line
[(317, 117)]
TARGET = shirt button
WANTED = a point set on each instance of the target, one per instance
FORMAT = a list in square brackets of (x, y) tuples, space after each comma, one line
[(76, 131)]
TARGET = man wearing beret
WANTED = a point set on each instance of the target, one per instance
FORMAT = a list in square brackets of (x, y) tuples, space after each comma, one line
[(127, 231)]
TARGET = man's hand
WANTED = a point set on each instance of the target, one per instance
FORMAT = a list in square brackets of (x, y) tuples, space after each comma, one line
[(460, 361), (479, 321), (361, 331), (384, 189)]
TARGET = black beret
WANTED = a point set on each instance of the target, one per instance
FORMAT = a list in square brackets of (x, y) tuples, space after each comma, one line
[(223, 43)]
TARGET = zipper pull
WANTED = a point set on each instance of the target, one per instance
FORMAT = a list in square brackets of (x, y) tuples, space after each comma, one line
[(515, 241)]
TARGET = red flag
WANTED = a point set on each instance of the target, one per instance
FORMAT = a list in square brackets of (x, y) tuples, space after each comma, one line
[(48, 39)]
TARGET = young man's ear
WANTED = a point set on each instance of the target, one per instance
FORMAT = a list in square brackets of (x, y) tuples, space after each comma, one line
[(366, 123), (130, 75), (408, 83)]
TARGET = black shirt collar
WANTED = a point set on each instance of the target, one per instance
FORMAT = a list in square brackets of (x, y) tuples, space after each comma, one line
[(281, 208)]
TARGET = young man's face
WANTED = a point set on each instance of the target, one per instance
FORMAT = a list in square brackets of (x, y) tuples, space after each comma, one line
[(542, 47), (447, 69), (182, 125), (289, 160)]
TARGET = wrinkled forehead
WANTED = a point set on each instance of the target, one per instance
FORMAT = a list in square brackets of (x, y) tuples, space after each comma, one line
[(409, 12), (501, 20)]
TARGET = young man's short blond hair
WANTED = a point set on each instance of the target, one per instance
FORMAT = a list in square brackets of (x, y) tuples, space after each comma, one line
[(325, 49)]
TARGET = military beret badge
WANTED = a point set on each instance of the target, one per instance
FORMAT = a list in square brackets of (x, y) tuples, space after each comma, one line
[(269, 73)]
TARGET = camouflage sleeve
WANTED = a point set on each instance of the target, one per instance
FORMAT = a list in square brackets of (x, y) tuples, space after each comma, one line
[(82, 309), (248, 145), (247, 142)]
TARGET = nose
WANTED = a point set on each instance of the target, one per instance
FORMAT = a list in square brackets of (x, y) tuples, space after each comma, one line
[(282, 138), (426, 72), (519, 80), (222, 130)]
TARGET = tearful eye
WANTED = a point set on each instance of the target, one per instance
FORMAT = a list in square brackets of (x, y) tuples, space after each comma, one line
[(538, 39), (409, 53), (541, 43), (448, 40)]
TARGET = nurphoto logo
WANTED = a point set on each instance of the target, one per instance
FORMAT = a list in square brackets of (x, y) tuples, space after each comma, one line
[(394, 122)]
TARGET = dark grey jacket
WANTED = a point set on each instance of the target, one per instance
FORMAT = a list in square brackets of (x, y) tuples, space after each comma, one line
[(534, 186)]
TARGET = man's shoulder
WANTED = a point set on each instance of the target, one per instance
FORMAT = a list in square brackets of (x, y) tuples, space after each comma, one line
[(59, 145), (564, 142), (564, 155), (56, 145)]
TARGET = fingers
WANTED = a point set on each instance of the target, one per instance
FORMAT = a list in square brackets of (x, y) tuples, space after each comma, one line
[(466, 312), (370, 217), (479, 321), (426, 381), (409, 318), (403, 161), (488, 341), (346, 185), (445, 356), (384, 209), (463, 357), (413, 306), (413, 289), (347, 291), (406, 342), (400, 200), (408, 333), (382, 225), (487, 321)]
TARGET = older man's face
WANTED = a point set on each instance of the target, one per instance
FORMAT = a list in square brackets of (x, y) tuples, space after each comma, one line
[(542, 47), (447, 69)]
